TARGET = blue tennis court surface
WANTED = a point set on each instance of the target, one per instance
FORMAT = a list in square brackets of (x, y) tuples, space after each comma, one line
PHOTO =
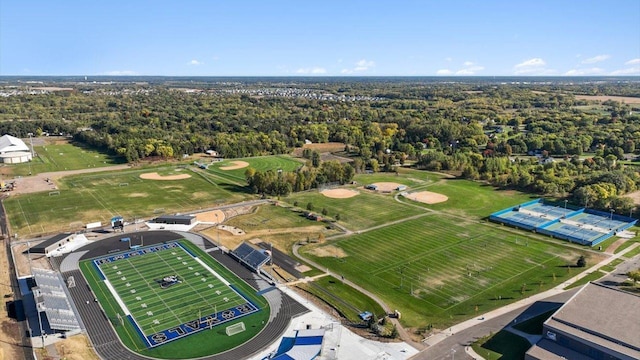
[(584, 226)]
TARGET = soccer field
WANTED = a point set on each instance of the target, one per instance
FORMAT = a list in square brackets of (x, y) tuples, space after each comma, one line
[(167, 292)]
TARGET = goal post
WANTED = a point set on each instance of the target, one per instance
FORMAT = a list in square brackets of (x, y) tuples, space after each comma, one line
[(235, 329)]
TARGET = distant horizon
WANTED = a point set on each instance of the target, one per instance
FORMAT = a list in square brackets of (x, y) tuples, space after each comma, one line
[(248, 38)]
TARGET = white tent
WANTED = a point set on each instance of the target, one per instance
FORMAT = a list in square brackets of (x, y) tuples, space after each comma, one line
[(9, 143), (13, 150)]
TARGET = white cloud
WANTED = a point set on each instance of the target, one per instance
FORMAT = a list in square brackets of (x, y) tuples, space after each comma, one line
[(121, 73), (360, 66), (364, 65), (628, 71), (195, 62), (596, 59), (583, 72), (448, 59), (314, 70), (535, 62), (534, 66), (464, 72), (468, 63), (633, 62), (444, 72)]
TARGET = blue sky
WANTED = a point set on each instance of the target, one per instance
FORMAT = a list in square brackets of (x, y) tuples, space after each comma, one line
[(320, 38)]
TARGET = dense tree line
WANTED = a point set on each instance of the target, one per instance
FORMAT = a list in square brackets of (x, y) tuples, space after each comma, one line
[(279, 183), (503, 133)]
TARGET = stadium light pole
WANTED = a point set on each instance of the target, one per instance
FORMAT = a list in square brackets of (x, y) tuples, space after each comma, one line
[(565, 205), (218, 228), (612, 211)]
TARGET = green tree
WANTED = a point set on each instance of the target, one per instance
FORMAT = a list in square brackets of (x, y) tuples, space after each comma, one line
[(634, 276), (310, 206), (582, 262)]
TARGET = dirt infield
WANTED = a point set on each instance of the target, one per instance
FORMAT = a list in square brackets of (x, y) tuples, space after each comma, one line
[(156, 176), (426, 197), (339, 193), (236, 165), (215, 216), (386, 186)]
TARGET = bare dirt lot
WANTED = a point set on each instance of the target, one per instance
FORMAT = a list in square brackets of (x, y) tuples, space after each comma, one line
[(36, 183), (211, 216), (427, 197), (320, 147), (624, 99), (387, 186), (339, 193), (236, 165), (156, 176), (10, 346), (76, 347), (21, 258)]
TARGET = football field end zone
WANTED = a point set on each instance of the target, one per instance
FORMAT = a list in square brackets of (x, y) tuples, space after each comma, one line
[(184, 329)]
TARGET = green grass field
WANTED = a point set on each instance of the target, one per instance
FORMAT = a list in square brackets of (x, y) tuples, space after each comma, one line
[(348, 301), (60, 157), (200, 294), (440, 270), (98, 197), (502, 346), (360, 212)]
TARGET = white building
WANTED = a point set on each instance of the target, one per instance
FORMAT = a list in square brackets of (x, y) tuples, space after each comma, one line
[(14, 150)]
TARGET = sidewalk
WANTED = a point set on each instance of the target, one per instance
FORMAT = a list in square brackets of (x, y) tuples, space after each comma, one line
[(436, 338)]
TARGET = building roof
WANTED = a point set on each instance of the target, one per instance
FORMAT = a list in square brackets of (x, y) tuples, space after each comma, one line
[(549, 350), (306, 345), (249, 255), (40, 248), (174, 217), (57, 306), (603, 316), (9, 143)]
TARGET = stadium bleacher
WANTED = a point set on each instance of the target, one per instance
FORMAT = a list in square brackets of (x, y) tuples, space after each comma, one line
[(251, 257)]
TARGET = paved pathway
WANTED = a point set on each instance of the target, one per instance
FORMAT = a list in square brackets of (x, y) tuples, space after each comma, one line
[(402, 332)]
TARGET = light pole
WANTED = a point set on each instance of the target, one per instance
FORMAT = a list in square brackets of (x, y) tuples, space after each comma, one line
[(612, 211), (453, 354), (565, 205), (218, 228)]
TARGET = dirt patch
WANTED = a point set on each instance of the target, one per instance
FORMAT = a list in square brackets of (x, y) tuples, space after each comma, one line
[(635, 196), (329, 251), (10, 345), (387, 186), (624, 99), (156, 176), (616, 244), (427, 197), (236, 165), (320, 147), (76, 347), (137, 195), (339, 193), (215, 216), (232, 229), (21, 258), (303, 268)]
